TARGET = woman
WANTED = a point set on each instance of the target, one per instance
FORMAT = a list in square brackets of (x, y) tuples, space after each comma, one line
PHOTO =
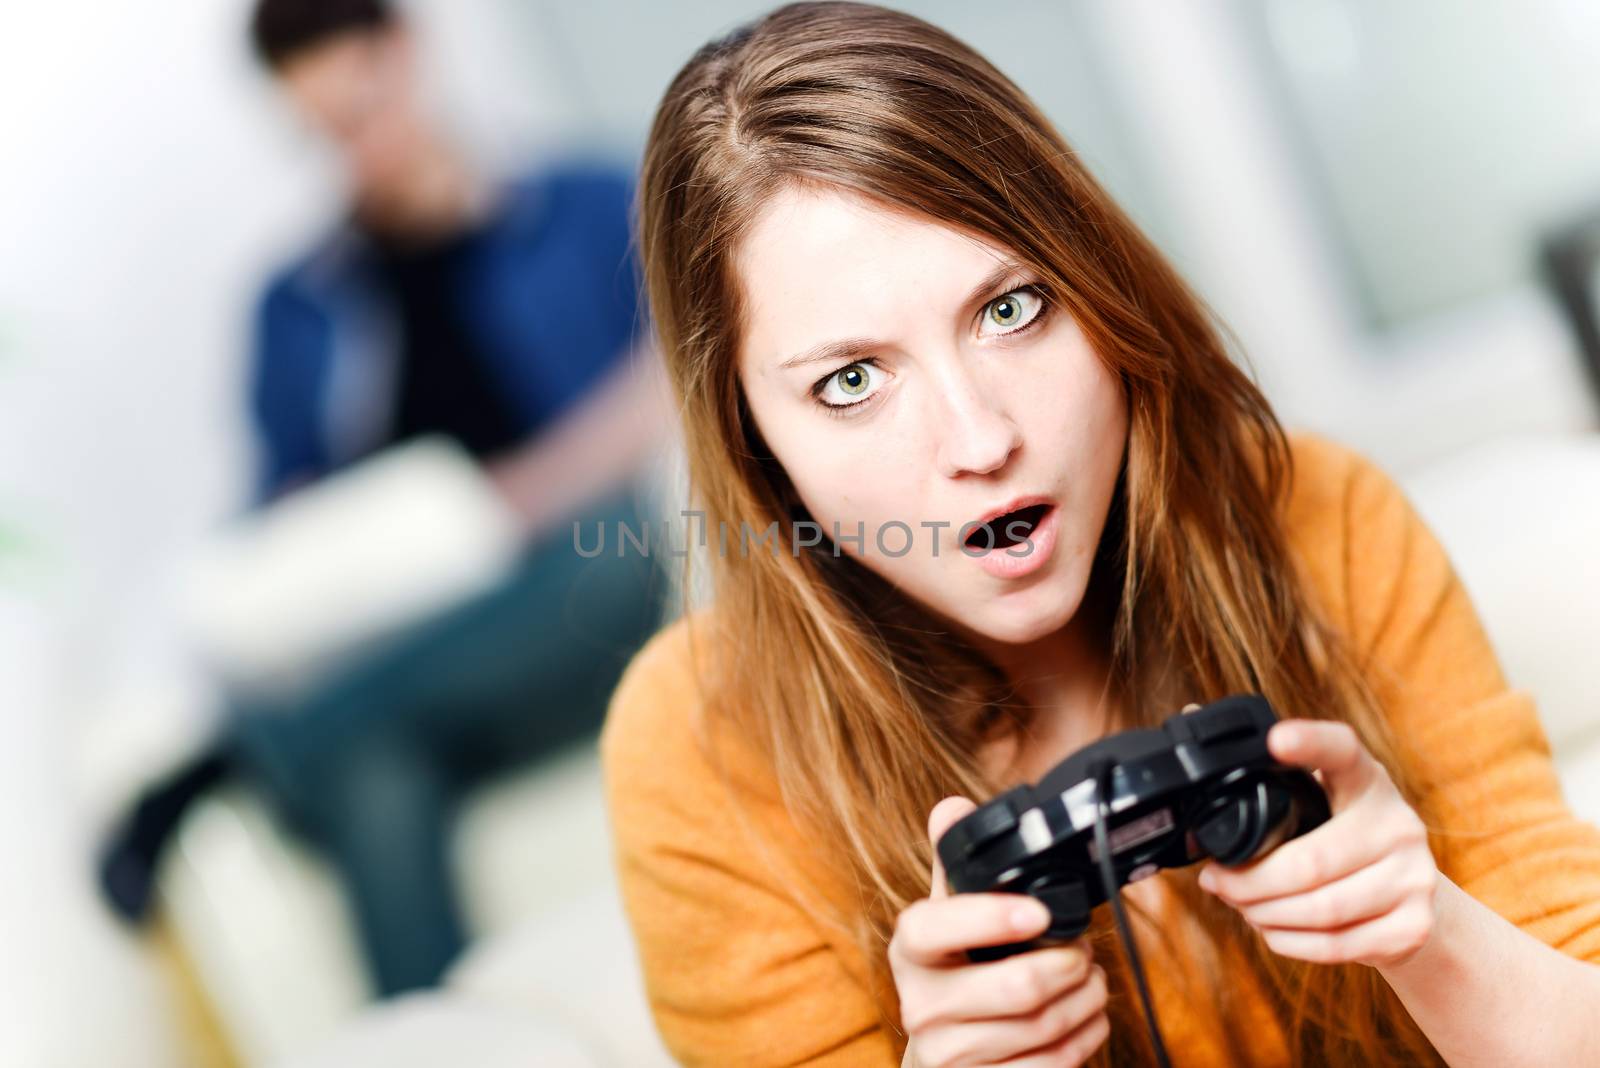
[(895, 307)]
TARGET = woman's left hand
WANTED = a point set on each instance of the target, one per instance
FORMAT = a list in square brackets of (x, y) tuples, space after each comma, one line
[(1361, 887)]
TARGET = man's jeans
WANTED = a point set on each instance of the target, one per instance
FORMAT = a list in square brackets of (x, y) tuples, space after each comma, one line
[(370, 765)]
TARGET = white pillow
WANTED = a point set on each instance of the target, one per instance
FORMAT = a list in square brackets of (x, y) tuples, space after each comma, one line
[(279, 597)]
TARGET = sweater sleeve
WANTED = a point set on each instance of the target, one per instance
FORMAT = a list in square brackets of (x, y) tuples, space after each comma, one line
[(1503, 831), (738, 972)]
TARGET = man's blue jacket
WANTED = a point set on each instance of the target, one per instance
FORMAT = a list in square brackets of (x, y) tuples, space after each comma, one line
[(550, 289)]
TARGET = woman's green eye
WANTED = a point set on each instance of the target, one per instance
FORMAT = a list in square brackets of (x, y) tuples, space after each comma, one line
[(850, 386), (1006, 311), (1012, 311)]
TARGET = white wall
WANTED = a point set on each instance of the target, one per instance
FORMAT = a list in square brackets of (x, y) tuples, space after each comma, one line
[(136, 190), (148, 180)]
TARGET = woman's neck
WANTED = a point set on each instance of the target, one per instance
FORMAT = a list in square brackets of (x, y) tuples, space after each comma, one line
[(1061, 685), (1043, 671)]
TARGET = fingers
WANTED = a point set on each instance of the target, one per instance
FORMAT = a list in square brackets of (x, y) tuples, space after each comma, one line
[(1294, 867), (1390, 939), (1054, 1023), (1361, 887), (1333, 749), (1043, 1002), (1015, 986), (931, 932), (1363, 895), (1068, 1051), (1350, 841), (943, 816)]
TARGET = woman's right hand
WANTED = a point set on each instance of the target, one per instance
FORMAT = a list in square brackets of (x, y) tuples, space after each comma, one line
[(1040, 1009)]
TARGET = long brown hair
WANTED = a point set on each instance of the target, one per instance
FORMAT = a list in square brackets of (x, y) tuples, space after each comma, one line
[(867, 711)]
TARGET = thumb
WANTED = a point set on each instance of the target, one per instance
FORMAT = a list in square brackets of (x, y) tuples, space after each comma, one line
[(1330, 750), (941, 819)]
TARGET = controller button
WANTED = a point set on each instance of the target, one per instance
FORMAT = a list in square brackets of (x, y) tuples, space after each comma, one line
[(1143, 871)]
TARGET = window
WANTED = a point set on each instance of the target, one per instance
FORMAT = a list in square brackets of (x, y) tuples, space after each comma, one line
[(1444, 139)]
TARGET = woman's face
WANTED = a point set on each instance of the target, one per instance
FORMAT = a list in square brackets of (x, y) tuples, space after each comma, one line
[(914, 384)]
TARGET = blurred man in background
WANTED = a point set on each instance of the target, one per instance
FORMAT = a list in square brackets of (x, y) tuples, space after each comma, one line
[(503, 317)]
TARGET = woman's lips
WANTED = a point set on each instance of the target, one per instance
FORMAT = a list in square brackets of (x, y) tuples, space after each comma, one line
[(1007, 528), (1023, 558), (1014, 505)]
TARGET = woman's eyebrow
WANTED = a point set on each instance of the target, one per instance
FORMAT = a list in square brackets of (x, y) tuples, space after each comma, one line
[(845, 349), (993, 281), (851, 347)]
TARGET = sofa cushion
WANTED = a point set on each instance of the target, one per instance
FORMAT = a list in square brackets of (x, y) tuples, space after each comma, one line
[(1520, 518)]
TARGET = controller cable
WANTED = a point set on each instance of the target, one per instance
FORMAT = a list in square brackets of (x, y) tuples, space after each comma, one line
[(1108, 878)]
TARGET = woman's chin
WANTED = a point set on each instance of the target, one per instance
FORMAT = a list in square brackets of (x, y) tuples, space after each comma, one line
[(1016, 631), (1018, 623)]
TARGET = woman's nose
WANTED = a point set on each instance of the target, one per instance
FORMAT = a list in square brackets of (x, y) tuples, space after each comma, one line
[(976, 435)]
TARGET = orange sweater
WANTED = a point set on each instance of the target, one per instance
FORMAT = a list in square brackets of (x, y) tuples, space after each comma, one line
[(738, 973)]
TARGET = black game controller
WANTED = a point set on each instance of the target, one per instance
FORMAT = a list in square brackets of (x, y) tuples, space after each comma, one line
[(1203, 785)]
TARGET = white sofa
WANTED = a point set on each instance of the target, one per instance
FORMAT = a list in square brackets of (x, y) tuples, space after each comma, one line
[(554, 973), (1520, 519), (551, 979)]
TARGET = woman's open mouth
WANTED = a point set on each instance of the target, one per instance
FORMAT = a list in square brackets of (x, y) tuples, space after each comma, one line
[(1016, 542), (1008, 530)]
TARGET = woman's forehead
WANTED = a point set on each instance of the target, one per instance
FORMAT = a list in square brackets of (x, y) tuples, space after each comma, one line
[(820, 263)]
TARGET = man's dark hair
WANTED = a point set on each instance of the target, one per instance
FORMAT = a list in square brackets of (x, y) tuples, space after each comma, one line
[(279, 29)]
